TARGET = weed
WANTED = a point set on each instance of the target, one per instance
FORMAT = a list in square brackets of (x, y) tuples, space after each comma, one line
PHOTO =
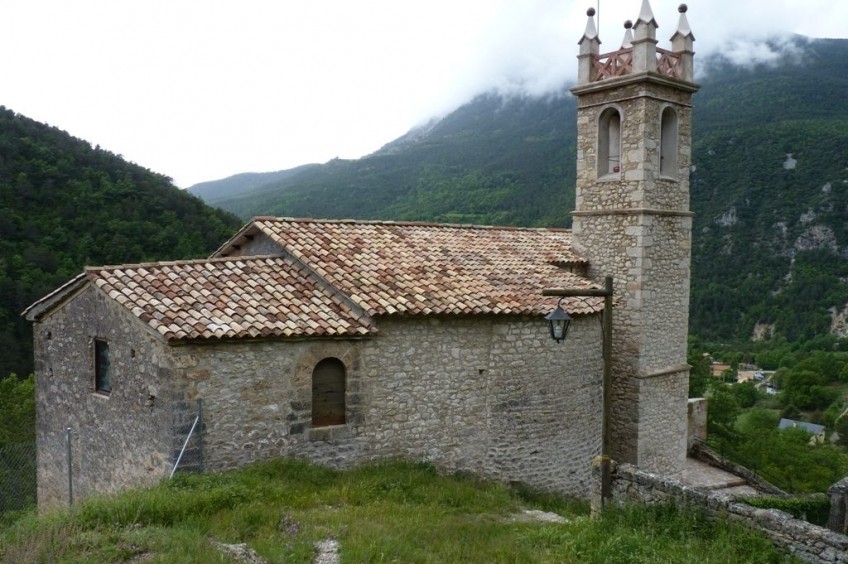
[(389, 511)]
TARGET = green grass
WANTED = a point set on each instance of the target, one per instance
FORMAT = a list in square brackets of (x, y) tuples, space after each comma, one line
[(387, 512)]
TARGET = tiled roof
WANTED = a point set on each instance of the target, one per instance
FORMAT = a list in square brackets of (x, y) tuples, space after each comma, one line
[(230, 298), (415, 268), (333, 276)]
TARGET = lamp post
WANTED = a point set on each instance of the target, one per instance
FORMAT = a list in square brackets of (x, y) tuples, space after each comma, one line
[(559, 326)]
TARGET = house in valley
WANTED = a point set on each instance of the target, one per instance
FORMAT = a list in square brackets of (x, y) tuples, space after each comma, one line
[(817, 432), (346, 341)]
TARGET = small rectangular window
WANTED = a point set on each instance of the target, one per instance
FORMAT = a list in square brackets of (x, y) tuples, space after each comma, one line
[(102, 382), (328, 393)]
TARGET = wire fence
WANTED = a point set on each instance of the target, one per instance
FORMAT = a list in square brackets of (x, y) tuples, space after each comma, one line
[(17, 477), (18, 466)]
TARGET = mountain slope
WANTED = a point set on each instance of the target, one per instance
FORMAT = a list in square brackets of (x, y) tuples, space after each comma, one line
[(216, 190), (770, 194), (495, 161), (770, 240), (64, 205)]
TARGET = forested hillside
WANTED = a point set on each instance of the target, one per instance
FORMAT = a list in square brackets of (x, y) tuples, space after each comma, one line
[(64, 205), (770, 193), (494, 161), (769, 186), (221, 189)]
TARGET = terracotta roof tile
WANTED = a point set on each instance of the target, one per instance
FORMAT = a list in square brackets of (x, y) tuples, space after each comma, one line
[(335, 274), (391, 268), (230, 298)]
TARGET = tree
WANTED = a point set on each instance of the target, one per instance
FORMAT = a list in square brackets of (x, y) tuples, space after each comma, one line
[(841, 428), (758, 421), (746, 394), (17, 410), (722, 413), (823, 363), (787, 457), (699, 374), (806, 390), (64, 205)]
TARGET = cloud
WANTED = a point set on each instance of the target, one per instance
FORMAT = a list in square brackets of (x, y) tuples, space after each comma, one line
[(529, 47), (782, 49), (263, 85)]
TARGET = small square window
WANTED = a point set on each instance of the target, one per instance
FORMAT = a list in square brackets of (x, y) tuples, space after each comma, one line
[(102, 383)]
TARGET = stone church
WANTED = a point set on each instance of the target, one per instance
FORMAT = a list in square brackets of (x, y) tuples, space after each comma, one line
[(345, 341)]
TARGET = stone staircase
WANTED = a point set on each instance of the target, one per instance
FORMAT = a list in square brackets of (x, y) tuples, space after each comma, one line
[(699, 474)]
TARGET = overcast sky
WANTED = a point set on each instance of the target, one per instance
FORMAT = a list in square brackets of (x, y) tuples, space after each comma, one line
[(203, 89)]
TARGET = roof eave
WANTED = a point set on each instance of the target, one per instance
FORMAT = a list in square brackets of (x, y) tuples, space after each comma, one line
[(184, 341), (55, 298), (231, 244)]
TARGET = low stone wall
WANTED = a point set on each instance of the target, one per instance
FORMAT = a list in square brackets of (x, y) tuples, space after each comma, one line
[(838, 493), (808, 542)]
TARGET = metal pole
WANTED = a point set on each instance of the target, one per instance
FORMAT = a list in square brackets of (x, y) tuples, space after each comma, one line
[(200, 433), (606, 393), (606, 446), (68, 433), (598, 10)]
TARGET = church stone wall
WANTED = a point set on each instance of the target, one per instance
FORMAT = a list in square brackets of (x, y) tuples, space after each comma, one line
[(663, 419), (119, 440), (491, 396), (650, 377), (501, 398), (635, 225), (257, 399), (545, 405), (640, 106)]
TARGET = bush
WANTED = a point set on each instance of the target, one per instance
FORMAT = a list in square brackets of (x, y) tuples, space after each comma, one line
[(17, 478), (813, 508), (17, 410), (722, 413), (746, 394), (807, 390)]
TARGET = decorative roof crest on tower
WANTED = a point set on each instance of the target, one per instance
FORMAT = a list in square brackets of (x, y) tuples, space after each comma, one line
[(590, 47), (591, 31), (639, 52), (627, 42), (646, 15), (683, 28)]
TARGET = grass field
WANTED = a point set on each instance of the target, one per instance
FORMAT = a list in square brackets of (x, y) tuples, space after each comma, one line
[(387, 512)]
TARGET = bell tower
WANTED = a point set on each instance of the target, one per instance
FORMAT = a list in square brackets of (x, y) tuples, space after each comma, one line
[(632, 221)]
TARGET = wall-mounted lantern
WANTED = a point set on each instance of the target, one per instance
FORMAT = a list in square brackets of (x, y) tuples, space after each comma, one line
[(558, 322)]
